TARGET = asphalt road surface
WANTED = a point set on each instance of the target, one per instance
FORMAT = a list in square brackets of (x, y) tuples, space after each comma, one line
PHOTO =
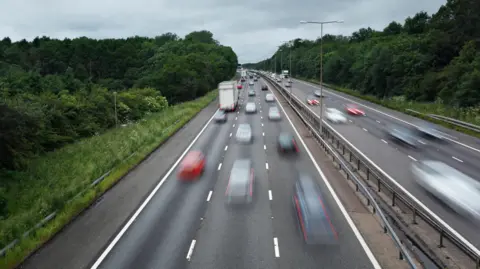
[(366, 133), (190, 226)]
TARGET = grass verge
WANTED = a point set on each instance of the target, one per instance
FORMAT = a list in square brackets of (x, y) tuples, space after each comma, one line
[(471, 115), (53, 180)]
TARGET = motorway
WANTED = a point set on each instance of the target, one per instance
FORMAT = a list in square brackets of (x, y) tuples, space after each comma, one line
[(190, 226), (366, 134)]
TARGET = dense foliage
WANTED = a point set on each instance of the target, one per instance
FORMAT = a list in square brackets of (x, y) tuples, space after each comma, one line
[(427, 59), (53, 92)]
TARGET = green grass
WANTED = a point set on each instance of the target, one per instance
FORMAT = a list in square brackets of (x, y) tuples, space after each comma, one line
[(470, 115), (52, 180)]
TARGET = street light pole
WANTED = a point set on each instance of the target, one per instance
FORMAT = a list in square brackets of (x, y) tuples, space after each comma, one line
[(321, 64), (115, 102)]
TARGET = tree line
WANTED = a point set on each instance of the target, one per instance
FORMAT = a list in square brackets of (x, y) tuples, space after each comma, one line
[(428, 58), (54, 92)]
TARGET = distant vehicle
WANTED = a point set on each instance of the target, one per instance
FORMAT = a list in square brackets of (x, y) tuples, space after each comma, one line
[(457, 190), (251, 76), (244, 133), (318, 93), (403, 135), (251, 83), (255, 79), (220, 116), (335, 116), (269, 97), (428, 131), (287, 85), (354, 110), (284, 73), (311, 100), (192, 166), (274, 113), (279, 79), (250, 107), (251, 92), (228, 95), (241, 183), (312, 213), (239, 86), (264, 88), (290, 81), (286, 143), (244, 74)]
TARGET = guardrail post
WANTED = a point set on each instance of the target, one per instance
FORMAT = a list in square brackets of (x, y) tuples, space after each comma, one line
[(393, 198), (378, 185), (414, 217), (350, 156), (368, 174), (440, 245), (358, 164), (338, 143), (400, 255)]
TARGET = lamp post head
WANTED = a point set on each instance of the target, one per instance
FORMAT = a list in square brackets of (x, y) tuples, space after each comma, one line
[(303, 22)]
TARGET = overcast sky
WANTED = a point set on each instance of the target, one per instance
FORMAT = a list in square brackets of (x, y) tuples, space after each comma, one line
[(254, 28)]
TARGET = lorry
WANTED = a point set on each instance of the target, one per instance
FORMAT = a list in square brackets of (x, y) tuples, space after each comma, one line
[(228, 95), (244, 75), (284, 73)]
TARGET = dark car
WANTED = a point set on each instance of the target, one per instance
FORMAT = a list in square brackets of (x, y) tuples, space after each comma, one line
[(287, 143), (220, 116), (240, 185), (402, 135), (312, 213), (428, 131), (264, 88)]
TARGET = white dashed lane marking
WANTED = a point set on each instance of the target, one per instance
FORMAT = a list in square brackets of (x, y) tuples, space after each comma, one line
[(266, 166), (209, 196), (275, 246), (384, 141), (226, 147), (412, 158), (270, 197), (457, 159), (219, 166)]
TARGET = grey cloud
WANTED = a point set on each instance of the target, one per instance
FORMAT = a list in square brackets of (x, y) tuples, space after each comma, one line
[(254, 28)]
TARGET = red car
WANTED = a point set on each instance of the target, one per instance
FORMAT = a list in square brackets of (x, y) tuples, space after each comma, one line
[(192, 166), (239, 86), (313, 102), (354, 110)]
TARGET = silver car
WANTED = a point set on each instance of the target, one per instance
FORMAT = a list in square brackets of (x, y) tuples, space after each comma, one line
[(250, 107), (244, 133), (274, 113), (335, 116), (269, 97), (240, 185), (457, 190), (251, 92), (286, 85)]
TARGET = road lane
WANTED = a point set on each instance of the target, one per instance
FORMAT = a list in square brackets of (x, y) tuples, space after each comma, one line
[(395, 161), (283, 173), (160, 236)]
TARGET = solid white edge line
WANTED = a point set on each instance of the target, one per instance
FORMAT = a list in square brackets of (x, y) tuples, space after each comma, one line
[(270, 196), (350, 222), (117, 238), (219, 166), (388, 115), (190, 250), (276, 248), (209, 196)]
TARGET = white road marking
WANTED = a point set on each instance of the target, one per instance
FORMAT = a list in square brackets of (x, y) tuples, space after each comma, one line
[(117, 238), (236, 118), (264, 147), (209, 196), (263, 134), (266, 166), (219, 166), (378, 121), (270, 197), (233, 126), (457, 159), (421, 142), (190, 250), (275, 246), (350, 120), (261, 117), (413, 159), (365, 129), (384, 141), (226, 147), (262, 124), (260, 111), (393, 117), (230, 134), (349, 220)]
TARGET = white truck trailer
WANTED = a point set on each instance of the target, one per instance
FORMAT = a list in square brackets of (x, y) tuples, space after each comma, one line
[(228, 95)]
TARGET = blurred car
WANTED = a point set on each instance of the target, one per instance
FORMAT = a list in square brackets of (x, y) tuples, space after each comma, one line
[(279, 79), (239, 86), (220, 116), (242, 79), (250, 107), (335, 116), (290, 81), (269, 97), (241, 182), (457, 190), (428, 131), (286, 85), (286, 143), (255, 79), (264, 88), (318, 93), (192, 166), (274, 113), (251, 92), (244, 133), (403, 135), (312, 214), (354, 110), (251, 83), (311, 100)]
